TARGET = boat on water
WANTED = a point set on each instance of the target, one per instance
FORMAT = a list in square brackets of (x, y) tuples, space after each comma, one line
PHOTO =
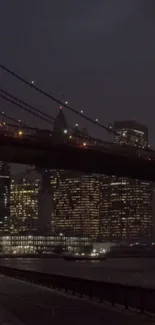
[(84, 257)]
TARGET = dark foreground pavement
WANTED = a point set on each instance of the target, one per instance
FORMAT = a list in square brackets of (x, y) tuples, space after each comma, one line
[(31, 304)]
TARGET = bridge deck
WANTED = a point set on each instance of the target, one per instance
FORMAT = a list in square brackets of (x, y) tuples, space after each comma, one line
[(88, 160)]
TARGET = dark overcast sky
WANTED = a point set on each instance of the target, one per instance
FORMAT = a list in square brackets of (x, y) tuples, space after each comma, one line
[(99, 53)]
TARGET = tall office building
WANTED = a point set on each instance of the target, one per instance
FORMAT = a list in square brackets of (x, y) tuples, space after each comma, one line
[(131, 133), (4, 198), (24, 202), (75, 207), (47, 189), (126, 204), (75, 204), (45, 202)]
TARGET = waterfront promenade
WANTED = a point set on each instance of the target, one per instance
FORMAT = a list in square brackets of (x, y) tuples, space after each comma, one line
[(30, 304)]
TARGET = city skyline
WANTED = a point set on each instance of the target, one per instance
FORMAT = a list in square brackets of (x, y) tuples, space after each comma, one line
[(77, 181), (106, 208), (112, 74)]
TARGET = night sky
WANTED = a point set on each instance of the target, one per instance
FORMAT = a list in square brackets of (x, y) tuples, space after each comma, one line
[(97, 54)]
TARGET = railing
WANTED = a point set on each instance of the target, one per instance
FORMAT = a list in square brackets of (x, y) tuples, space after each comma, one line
[(136, 297)]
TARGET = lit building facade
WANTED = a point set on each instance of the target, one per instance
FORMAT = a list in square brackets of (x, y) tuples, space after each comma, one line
[(4, 198), (131, 133), (37, 244), (126, 204), (24, 202), (75, 204)]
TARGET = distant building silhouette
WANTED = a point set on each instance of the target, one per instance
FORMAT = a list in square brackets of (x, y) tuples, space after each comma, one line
[(60, 126)]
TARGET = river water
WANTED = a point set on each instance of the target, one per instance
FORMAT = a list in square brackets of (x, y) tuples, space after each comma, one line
[(132, 271)]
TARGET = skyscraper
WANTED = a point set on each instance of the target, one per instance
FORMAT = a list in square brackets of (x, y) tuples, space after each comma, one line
[(45, 201), (131, 133), (47, 188), (126, 204), (24, 202), (4, 198), (76, 204)]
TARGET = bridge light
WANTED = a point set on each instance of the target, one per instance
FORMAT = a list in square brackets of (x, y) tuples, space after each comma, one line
[(20, 133), (70, 137), (76, 124), (66, 102), (96, 120), (65, 131), (81, 112), (84, 144), (32, 82)]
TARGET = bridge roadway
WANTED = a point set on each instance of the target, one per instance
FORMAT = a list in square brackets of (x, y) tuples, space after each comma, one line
[(46, 154), (24, 304)]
